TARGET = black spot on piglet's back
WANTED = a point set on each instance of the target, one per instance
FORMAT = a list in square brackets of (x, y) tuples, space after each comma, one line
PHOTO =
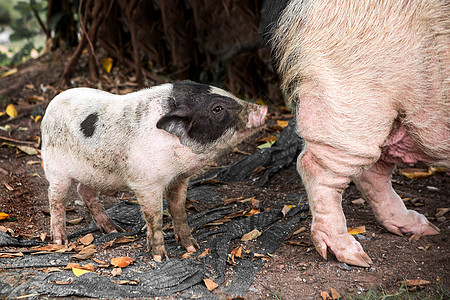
[(88, 125)]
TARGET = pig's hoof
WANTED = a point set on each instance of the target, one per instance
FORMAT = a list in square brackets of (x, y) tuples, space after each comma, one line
[(412, 222), (345, 248), (191, 248)]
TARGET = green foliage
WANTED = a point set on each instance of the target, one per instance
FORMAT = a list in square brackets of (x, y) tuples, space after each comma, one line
[(25, 29), (5, 11)]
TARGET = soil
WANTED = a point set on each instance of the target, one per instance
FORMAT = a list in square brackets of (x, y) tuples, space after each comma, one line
[(295, 270)]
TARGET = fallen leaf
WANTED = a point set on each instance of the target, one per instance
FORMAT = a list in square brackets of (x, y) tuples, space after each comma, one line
[(79, 272), (107, 63), (11, 255), (52, 269), (334, 294), (300, 230), (251, 235), (187, 255), (11, 111), (4, 216), (72, 265), (282, 123), (63, 282), (286, 209), (130, 282), (237, 251), (43, 236), (359, 201), (87, 239), (8, 187), (301, 244), (253, 211), (206, 252), (265, 145), (9, 72), (49, 247), (211, 285), (28, 150), (415, 282), (356, 230), (122, 262), (414, 173), (116, 272), (439, 212), (325, 295), (261, 256), (75, 221), (85, 253), (270, 138)]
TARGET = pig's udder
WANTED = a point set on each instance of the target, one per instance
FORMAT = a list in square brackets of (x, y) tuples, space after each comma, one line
[(400, 147)]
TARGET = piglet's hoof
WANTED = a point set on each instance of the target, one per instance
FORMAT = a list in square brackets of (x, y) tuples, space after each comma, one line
[(345, 248)]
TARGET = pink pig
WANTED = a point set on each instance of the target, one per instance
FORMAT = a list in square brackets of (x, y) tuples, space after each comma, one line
[(370, 81), (150, 142)]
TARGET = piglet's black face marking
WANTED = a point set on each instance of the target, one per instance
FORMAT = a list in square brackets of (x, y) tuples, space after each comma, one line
[(88, 125), (200, 114)]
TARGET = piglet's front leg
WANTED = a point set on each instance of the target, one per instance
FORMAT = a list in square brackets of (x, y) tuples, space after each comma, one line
[(176, 197), (150, 201)]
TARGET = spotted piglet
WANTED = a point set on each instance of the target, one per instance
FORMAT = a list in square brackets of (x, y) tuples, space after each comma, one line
[(150, 142)]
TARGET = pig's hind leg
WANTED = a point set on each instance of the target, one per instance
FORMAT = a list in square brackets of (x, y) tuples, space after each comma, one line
[(90, 199), (57, 194), (176, 198), (375, 185)]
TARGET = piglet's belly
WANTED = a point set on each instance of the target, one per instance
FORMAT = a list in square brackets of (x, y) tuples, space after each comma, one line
[(98, 179), (400, 147)]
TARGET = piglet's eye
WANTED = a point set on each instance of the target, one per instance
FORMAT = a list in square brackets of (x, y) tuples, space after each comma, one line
[(217, 109)]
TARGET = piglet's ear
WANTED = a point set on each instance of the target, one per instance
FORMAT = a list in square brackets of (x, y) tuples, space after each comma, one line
[(177, 121)]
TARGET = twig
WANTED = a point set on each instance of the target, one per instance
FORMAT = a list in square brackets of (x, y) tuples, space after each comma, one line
[(15, 141)]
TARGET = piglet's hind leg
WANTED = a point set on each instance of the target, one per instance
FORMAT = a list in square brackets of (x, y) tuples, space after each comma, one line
[(90, 198), (375, 185)]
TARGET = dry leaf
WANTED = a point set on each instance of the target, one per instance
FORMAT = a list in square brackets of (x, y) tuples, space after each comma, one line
[(49, 248), (63, 282), (107, 63), (187, 255), (286, 209), (251, 235), (356, 230), (9, 72), (85, 253), (43, 236), (334, 294), (28, 150), (439, 212), (4, 216), (122, 262), (359, 201), (237, 251), (211, 285), (8, 187), (116, 272), (72, 265), (79, 272), (325, 295), (100, 262), (270, 138), (252, 212), (75, 221), (11, 255), (87, 239), (11, 111), (415, 282), (300, 230), (52, 269), (414, 173), (206, 252), (282, 123)]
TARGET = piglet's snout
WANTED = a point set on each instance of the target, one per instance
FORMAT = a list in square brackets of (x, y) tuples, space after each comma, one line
[(257, 116)]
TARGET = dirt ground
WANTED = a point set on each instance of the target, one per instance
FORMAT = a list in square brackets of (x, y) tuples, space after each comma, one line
[(296, 271)]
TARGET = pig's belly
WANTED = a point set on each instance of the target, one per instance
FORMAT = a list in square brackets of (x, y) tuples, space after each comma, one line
[(400, 147), (97, 179)]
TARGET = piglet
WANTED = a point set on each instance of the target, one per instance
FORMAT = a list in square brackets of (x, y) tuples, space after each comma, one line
[(150, 142)]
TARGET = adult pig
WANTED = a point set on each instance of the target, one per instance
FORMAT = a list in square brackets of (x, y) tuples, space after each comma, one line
[(150, 142), (370, 83)]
